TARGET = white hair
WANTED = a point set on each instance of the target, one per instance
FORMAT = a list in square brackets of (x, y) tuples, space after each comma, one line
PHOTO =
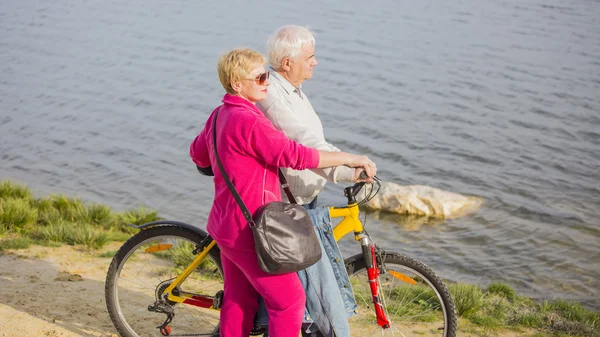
[(287, 41)]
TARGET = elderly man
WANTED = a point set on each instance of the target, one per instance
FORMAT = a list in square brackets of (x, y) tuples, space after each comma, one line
[(291, 54)]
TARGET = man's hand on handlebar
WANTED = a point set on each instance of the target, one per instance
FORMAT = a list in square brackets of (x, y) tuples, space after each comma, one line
[(360, 176), (368, 166)]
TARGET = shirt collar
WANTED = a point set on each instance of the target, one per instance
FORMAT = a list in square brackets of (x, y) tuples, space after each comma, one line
[(285, 84)]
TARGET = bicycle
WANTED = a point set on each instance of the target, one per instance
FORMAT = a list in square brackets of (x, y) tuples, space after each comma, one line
[(182, 280)]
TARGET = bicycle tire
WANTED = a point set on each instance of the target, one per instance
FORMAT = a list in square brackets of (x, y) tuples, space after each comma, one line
[(121, 293), (404, 321)]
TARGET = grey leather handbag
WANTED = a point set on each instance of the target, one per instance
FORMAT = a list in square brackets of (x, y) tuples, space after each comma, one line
[(284, 237)]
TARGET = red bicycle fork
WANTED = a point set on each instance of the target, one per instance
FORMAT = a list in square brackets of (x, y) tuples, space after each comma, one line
[(373, 273)]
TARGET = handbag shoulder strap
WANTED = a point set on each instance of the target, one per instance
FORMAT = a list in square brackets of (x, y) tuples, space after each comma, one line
[(286, 187), (235, 193)]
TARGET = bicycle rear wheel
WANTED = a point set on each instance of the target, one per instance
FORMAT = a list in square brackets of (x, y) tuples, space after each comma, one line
[(138, 274), (415, 300)]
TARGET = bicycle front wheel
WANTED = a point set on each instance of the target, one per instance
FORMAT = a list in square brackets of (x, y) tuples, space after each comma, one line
[(415, 300), (144, 267)]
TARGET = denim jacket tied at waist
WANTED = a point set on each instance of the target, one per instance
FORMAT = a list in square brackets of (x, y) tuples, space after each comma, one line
[(329, 297)]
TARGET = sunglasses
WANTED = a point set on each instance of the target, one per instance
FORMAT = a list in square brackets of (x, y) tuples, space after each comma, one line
[(260, 79)]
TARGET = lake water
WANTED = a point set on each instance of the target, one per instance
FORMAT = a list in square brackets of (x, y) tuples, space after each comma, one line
[(498, 99)]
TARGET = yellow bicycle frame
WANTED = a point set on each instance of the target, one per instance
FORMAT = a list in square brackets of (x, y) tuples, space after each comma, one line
[(187, 272), (350, 223)]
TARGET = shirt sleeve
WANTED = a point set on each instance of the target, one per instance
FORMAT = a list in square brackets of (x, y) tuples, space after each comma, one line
[(199, 149), (272, 146), (286, 120)]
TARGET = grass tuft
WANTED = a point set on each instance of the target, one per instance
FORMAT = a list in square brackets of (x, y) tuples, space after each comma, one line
[(70, 209), (99, 215), (46, 211), (73, 234), (58, 218), (487, 322), (501, 289), (467, 298), (10, 190), (137, 217), (16, 215), (16, 243)]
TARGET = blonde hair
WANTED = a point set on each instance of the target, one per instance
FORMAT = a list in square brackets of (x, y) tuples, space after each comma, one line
[(236, 65)]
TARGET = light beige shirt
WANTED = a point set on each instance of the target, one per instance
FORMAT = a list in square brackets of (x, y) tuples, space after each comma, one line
[(290, 111)]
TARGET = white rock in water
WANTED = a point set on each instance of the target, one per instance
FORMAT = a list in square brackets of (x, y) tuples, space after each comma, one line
[(421, 200)]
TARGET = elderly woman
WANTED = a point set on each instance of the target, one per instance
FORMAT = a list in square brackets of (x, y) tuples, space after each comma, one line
[(251, 151)]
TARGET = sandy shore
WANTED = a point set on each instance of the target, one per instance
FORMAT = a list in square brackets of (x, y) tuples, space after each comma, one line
[(53, 292)]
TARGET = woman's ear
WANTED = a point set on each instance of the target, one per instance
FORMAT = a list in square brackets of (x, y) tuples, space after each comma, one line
[(237, 86)]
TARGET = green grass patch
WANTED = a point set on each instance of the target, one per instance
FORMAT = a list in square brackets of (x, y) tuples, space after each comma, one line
[(71, 209), (16, 243), (58, 218), (9, 190), (46, 243), (73, 234), (501, 289), (137, 217), (423, 307), (468, 299), (16, 215), (532, 319), (99, 214), (501, 308), (486, 321), (114, 235), (110, 253)]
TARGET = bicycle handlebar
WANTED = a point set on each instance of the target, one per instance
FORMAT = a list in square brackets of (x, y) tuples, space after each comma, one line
[(352, 191)]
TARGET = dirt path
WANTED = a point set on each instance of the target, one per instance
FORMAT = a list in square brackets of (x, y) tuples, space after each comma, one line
[(60, 292), (53, 292)]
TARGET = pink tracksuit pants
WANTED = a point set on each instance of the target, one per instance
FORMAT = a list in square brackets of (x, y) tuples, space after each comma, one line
[(244, 282)]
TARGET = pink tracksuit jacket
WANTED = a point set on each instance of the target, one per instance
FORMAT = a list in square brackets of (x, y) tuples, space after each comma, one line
[(251, 150)]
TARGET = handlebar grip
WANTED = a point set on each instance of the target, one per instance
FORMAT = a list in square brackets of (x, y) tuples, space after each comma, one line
[(363, 175)]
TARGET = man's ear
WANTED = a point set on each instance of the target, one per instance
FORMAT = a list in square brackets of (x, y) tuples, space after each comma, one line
[(237, 86), (285, 63)]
